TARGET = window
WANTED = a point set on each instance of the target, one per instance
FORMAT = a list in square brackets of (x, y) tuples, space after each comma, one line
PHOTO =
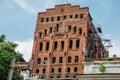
[(50, 30), (41, 46), (75, 69), (52, 70), (77, 43), (38, 61), (80, 31), (59, 70), (71, 16), (69, 59), (44, 71), (62, 45), (37, 71), (58, 18), (52, 18), (60, 59), (45, 31), (45, 60), (53, 60), (64, 17), (68, 69), (81, 16), (47, 19), (76, 15), (70, 44), (76, 59), (55, 45), (74, 29), (42, 19), (40, 34), (57, 28), (47, 46), (69, 27)]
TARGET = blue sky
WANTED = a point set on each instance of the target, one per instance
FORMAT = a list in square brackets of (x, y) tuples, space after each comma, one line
[(18, 20)]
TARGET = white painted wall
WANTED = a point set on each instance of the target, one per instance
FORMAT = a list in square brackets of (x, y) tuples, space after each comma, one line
[(93, 67)]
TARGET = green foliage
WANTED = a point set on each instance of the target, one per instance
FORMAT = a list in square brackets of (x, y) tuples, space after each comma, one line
[(101, 67), (109, 59), (87, 59), (7, 52)]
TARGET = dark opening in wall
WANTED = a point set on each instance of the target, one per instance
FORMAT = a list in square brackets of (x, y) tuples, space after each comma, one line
[(68, 69), (60, 59), (42, 19), (59, 70), (76, 15), (52, 18), (69, 59), (57, 28), (55, 45), (38, 61), (74, 29), (53, 60), (41, 46), (80, 31), (45, 60), (44, 71), (70, 44), (52, 70), (37, 71), (45, 31), (75, 69), (81, 16), (71, 16), (58, 18), (62, 45), (50, 30), (47, 46), (47, 19), (64, 17), (69, 27), (77, 43), (76, 59), (40, 34)]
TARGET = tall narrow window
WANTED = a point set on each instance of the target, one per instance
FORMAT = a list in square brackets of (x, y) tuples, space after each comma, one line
[(40, 34), (52, 18), (76, 15), (45, 60), (59, 70), (47, 46), (53, 60), (70, 44), (77, 43), (69, 59), (50, 30), (41, 46), (76, 59), (60, 59), (80, 31), (45, 31), (58, 18), (42, 19), (37, 71), (74, 29), (81, 16), (69, 27), (64, 17), (57, 28), (75, 69), (47, 19), (52, 70), (55, 45), (38, 61), (44, 71), (68, 69), (71, 16), (62, 45)]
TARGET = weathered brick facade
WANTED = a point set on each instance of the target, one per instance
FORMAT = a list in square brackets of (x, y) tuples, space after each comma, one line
[(64, 36)]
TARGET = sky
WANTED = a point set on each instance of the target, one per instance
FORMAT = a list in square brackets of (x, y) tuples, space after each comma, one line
[(18, 20)]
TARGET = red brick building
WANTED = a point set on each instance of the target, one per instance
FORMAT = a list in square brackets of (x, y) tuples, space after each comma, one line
[(63, 37)]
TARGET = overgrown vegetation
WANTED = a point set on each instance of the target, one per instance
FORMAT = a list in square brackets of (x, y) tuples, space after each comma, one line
[(88, 59), (109, 59), (101, 67)]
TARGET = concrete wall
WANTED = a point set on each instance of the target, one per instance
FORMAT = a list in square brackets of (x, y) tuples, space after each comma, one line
[(93, 67)]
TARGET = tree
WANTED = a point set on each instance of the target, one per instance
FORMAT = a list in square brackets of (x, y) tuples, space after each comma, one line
[(7, 52)]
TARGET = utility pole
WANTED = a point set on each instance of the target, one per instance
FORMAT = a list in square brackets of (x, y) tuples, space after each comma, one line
[(12, 65)]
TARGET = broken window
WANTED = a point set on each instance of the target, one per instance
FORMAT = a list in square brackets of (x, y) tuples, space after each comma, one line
[(52, 70), (71, 16), (62, 45), (58, 18), (75, 69), (44, 71), (74, 29), (59, 70), (40, 34), (47, 46), (77, 43), (53, 60), (70, 44), (45, 60), (64, 17), (80, 31), (47, 19), (81, 16), (57, 28), (42, 19), (76, 59), (60, 59), (50, 30), (41, 46), (55, 45), (69, 27), (68, 69), (38, 61), (76, 15), (45, 31), (69, 59), (37, 71), (52, 18)]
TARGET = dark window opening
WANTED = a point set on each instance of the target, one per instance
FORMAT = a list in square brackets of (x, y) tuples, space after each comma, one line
[(80, 31), (51, 76), (75, 69), (62, 45), (59, 70), (45, 31), (45, 60), (47, 46), (81, 16), (37, 71), (41, 46), (60, 59), (64, 17), (42, 77), (74, 29), (57, 28), (71, 16), (38, 61), (76, 15), (52, 70), (50, 30), (55, 45), (58, 18), (69, 59), (69, 27), (58, 76), (44, 71), (68, 69), (40, 34), (42, 19), (47, 19), (77, 43), (53, 60), (76, 59), (70, 44), (52, 18)]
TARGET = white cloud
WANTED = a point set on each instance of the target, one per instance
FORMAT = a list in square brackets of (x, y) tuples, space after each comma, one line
[(25, 47)]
